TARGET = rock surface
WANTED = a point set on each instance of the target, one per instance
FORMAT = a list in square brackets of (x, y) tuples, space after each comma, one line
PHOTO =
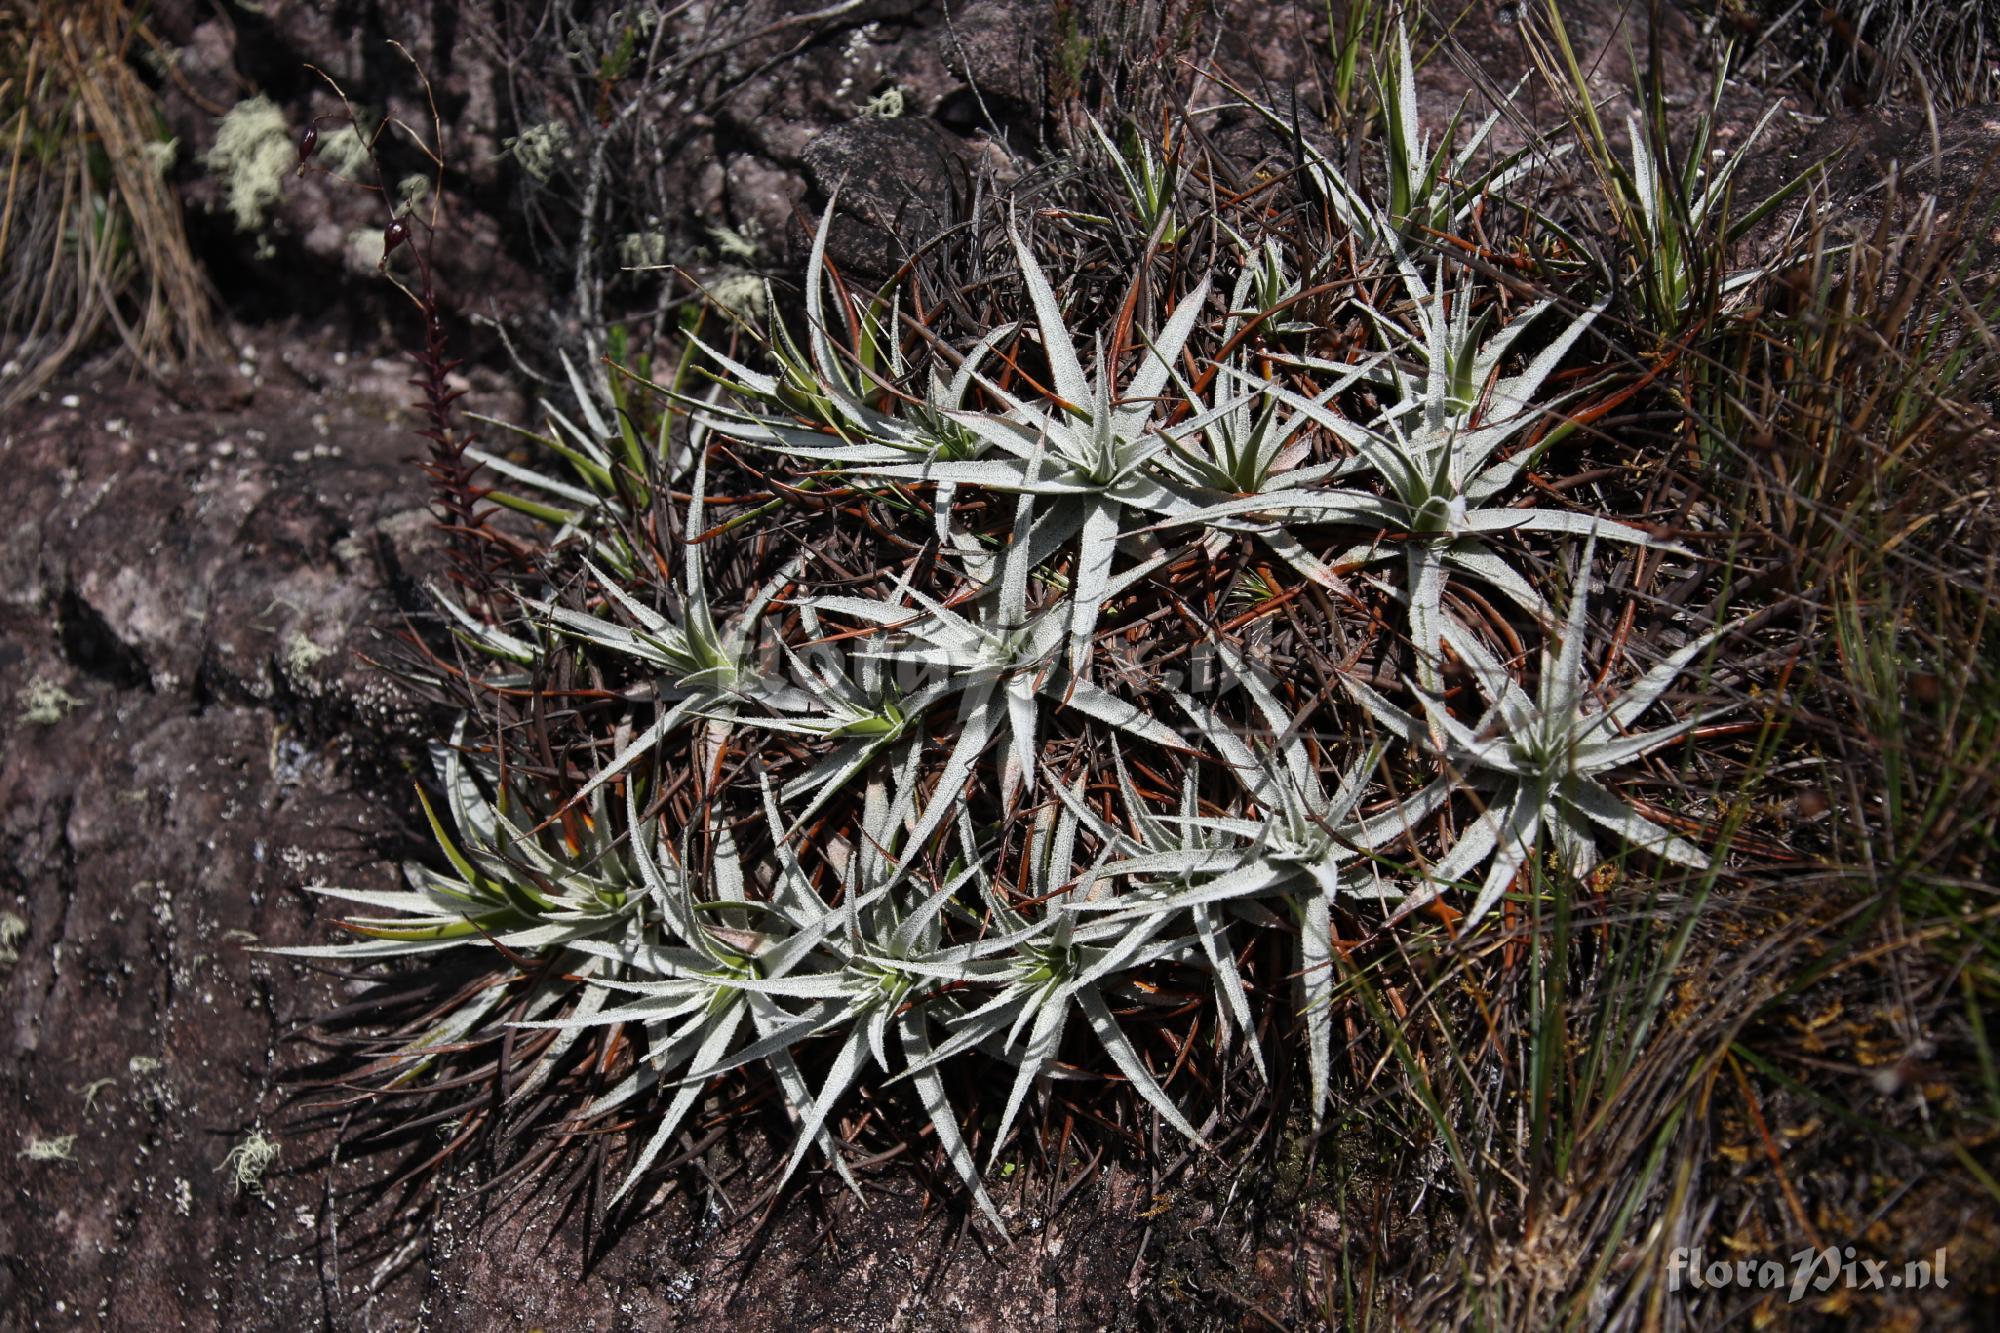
[(899, 182), (996, 47), (188, 738), (186, 595)]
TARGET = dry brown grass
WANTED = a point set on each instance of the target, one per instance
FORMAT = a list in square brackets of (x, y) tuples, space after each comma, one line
[(90, 228)]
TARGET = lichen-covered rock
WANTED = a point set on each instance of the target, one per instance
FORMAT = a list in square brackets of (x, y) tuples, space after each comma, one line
[(997, 47), (188, 735), (899, 183)]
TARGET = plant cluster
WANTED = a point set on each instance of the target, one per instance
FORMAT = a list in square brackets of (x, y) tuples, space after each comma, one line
[(1073, 696), (1430, 638)]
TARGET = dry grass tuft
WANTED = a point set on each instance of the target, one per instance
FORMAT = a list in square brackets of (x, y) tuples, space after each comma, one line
[(90, 230)]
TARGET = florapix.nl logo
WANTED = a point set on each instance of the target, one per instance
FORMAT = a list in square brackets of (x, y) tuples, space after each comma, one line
[(1804, 1273)]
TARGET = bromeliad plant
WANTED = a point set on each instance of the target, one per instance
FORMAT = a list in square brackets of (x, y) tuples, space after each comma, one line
[(1435, 450), (1539, 762), (1674, 214), (863, 752), (1426, 188)]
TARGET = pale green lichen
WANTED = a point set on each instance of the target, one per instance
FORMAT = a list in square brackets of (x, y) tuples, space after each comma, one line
[(253, 152), (642, 249), (732, 244), (365, 248), (12, 931), (248, 1161), (93, 1090), (44, 702), (410, 191), (60, 1148), (343, 151), (744, 295), (887, 106), (301, 654), (160, 154), (539, 147)]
